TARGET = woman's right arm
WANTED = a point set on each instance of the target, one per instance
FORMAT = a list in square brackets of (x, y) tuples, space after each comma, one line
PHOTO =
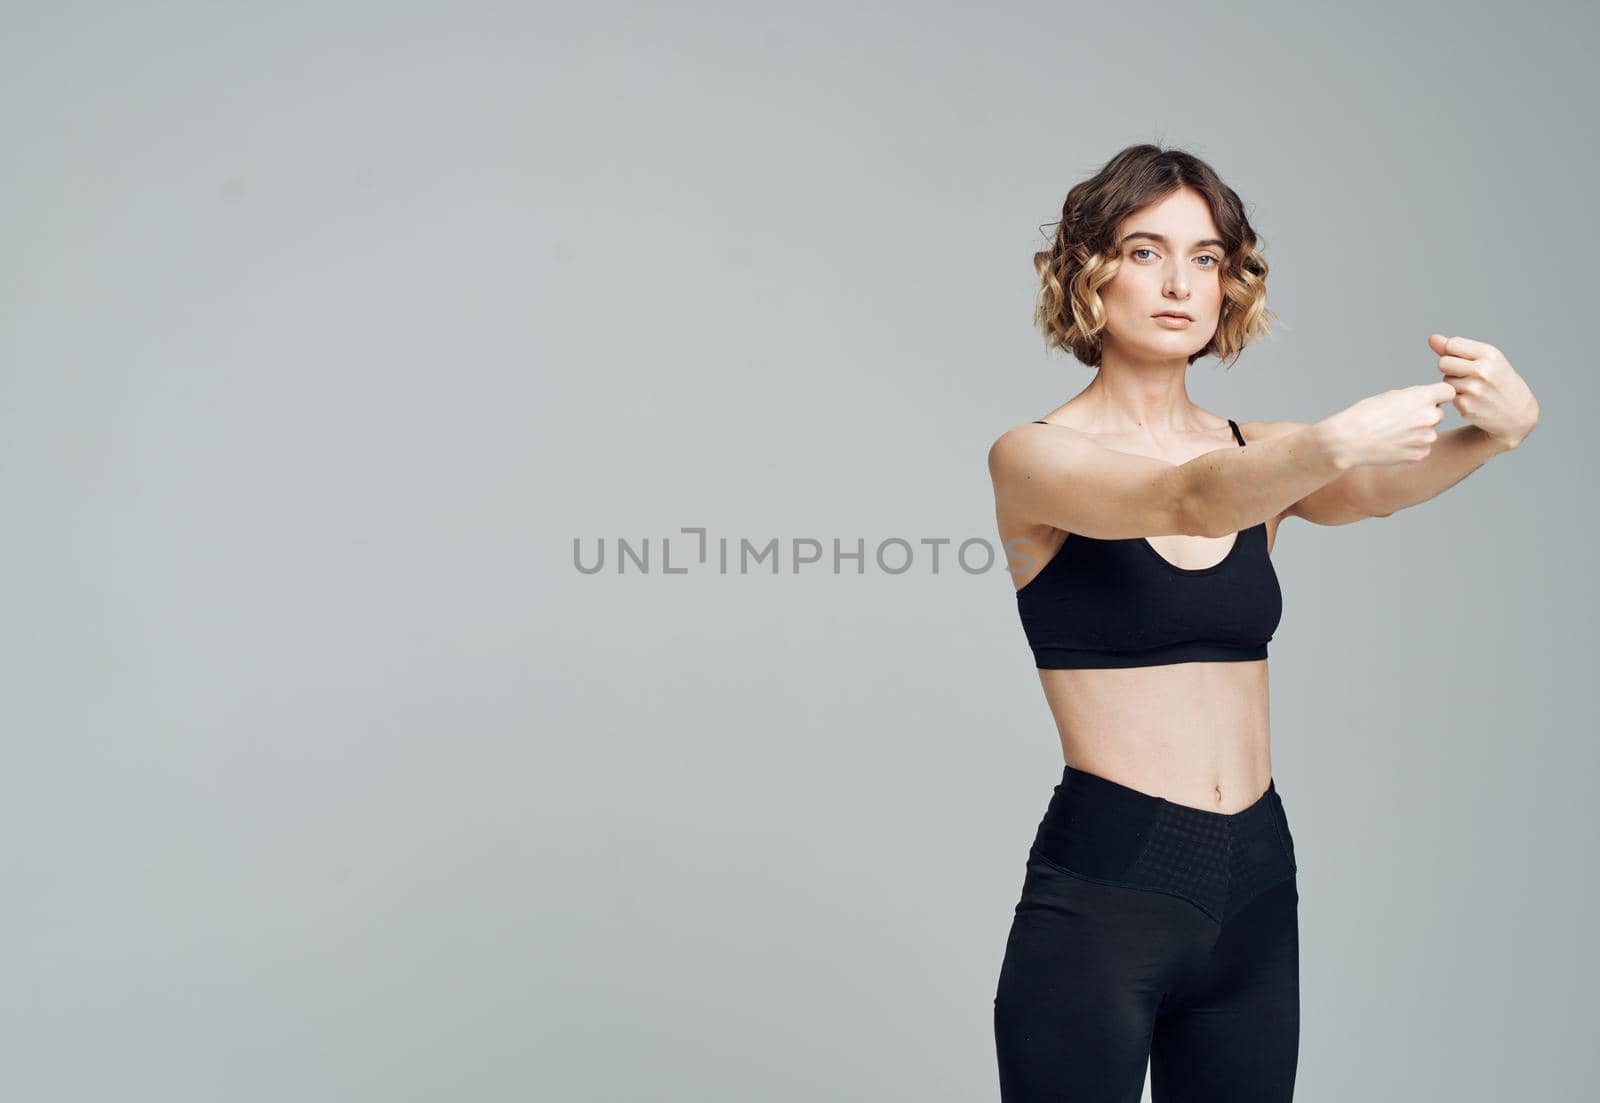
[(1053, 475)]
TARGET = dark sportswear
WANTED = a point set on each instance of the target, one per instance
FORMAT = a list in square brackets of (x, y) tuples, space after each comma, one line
[(1120, 603), (1149, 931)]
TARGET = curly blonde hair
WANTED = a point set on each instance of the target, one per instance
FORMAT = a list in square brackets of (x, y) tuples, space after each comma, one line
[(1086, 255)]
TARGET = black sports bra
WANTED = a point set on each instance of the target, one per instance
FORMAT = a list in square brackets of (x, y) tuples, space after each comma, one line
[(1120, 603)]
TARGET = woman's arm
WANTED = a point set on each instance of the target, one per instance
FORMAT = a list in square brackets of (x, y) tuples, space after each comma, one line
[(1455, 455), (1485, 389), (1231, 490), (1372, 491), (1057, 476), (1053, 475)]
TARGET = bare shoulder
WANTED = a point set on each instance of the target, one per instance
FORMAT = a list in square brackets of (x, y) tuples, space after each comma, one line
[(1030, 439)]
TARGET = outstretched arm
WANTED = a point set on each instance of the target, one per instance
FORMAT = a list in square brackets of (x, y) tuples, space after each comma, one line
[(1456, 454), (1489, 394), (1377, 491), (1453, 457)]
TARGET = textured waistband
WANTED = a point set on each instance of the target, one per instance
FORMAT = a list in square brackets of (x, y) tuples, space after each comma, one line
[(1219, 861)]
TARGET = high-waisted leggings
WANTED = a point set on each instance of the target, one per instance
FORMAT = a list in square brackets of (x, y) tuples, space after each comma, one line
[(1152, 932)]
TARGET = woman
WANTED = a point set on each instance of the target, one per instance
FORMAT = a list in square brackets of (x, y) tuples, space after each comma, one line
[(1158, 920)]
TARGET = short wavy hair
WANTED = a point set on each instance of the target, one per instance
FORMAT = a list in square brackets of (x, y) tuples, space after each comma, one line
[(1085, 254)]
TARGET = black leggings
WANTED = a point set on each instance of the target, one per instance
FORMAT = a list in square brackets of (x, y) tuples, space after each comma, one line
[(1152, 931)]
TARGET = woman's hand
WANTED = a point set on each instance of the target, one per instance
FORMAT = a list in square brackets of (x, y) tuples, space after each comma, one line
[(1489, 392), (1396, 426)]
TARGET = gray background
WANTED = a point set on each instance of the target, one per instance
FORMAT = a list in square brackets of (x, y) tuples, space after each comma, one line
[(329, 328)]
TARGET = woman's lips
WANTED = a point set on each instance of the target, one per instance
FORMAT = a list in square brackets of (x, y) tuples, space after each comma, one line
[(1173, 321)]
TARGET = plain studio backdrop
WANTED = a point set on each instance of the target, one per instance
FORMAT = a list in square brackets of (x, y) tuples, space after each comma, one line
[(332, 331)]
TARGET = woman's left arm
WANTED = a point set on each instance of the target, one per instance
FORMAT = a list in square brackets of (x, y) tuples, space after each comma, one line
[(1495, 400)]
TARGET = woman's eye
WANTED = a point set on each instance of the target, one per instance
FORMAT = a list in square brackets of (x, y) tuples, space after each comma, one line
[(1203, 256)]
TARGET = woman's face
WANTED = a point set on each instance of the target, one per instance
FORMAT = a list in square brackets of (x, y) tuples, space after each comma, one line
[(1171, 256)]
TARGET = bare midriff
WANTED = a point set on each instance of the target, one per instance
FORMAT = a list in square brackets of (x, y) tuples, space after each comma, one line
[(1192, 733)]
